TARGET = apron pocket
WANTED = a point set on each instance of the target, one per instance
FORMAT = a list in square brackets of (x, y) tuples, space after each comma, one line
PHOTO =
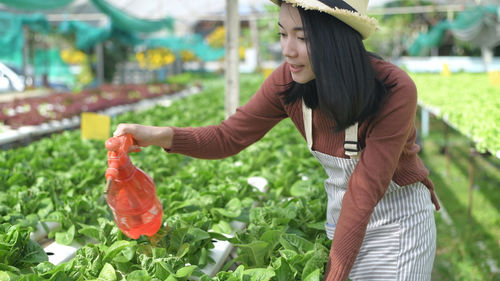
[(378, 256)]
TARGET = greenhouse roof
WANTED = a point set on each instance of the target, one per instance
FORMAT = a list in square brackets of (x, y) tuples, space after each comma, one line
[(158, 9)]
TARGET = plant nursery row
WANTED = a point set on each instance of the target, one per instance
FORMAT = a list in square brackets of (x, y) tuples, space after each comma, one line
[(60, 105)]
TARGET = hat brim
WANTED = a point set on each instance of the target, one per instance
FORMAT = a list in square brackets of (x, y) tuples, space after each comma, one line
[(365, 25)]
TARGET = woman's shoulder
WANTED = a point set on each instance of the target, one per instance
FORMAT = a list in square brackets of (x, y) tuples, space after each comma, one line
[(277, 82), (281, 75), (401, 101), (402, 91), (390, 73)]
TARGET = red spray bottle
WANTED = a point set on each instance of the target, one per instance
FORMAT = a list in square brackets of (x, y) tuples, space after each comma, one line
[(130, 192)]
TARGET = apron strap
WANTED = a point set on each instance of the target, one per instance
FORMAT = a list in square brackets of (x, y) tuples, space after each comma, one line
[(307, 116), (351, 145)]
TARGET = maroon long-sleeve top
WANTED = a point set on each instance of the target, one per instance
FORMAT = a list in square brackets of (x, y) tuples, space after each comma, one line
[(389, 153)]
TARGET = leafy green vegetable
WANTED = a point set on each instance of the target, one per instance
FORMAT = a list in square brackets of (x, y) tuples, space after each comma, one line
[(107, 273), (17, 251), (66, 237)]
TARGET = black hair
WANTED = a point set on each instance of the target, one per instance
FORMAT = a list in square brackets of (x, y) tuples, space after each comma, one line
[(346, 87)]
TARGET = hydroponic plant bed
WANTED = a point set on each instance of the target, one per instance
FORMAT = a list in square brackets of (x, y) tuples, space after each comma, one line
[(60, 179), (468, 102)]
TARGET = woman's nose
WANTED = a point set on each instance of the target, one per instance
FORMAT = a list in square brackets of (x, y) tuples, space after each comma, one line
[(288, 48)]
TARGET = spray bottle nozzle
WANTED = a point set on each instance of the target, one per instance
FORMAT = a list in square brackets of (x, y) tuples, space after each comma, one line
[(119, 144)]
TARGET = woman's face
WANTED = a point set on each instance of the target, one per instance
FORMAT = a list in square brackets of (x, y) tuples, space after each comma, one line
[(293, 44)]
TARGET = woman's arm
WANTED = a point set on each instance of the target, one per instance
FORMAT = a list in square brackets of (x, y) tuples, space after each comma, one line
[(147, 135), (249, 124)]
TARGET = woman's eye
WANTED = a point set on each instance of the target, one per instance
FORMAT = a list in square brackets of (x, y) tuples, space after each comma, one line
[(281, 34), (301, 38)]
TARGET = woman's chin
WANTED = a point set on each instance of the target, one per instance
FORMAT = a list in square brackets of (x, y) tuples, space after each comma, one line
[(301, 80)]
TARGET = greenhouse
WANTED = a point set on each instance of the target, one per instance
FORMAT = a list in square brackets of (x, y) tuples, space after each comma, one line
[(249, 140)]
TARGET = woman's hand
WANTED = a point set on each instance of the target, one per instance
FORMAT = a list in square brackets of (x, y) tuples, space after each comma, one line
[(147, 135)]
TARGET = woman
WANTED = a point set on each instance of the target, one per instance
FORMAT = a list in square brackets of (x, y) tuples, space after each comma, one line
[(356, 113)]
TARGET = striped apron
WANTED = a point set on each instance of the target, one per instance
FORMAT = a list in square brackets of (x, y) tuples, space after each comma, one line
[(400, 240)]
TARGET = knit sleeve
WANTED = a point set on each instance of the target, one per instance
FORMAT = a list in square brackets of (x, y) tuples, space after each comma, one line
[(386, 137), (247, 125)]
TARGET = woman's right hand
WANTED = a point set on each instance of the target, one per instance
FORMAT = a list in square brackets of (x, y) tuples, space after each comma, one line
[(146, 135)]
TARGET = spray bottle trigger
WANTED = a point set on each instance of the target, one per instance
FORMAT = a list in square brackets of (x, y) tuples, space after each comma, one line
[(131, 144), (128, 144)]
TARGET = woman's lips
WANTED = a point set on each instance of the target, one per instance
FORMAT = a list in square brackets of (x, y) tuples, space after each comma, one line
[(295, 68)]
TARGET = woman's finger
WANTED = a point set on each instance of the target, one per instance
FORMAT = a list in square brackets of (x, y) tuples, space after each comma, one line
[(134, 148), (121, 129)]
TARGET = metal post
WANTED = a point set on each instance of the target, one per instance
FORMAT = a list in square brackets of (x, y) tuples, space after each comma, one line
[(487, 55), (25, 55), (232, 57), (446, 150), (254, 34), (424, 120), (100, 63), (472, 152)]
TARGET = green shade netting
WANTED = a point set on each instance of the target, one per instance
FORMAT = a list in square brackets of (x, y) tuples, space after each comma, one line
[(35, 22), (194, 43), (49, 62), (477, 25), (126, 37), (119, 18), (36, 4), (11, 32), (15, 59), (123, 27), (127, 22), (430, 39), (86, 35)]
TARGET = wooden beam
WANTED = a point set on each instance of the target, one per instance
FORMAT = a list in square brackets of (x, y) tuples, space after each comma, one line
[(416, 9)]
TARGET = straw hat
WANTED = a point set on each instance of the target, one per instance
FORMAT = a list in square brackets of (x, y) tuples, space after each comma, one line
[(351, 12)]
